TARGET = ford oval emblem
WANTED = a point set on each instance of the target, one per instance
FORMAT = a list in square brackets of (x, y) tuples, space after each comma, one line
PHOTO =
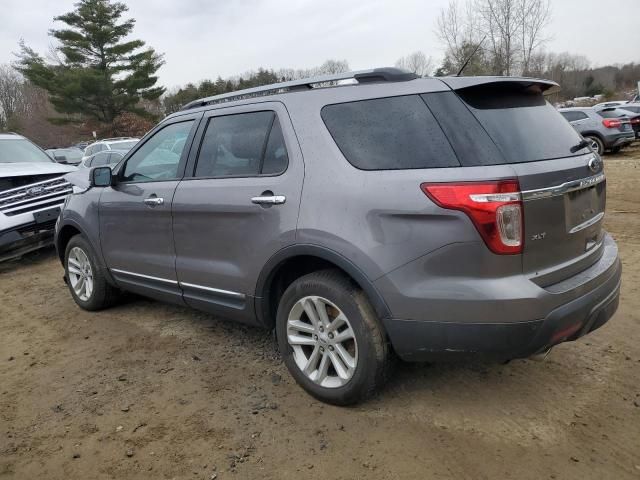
[(595, 164), (33, 191)]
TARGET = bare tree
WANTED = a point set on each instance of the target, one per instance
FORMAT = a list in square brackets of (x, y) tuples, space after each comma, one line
[(535, 16), (416, 62), (458, 27), (514, 32), (11, 94)]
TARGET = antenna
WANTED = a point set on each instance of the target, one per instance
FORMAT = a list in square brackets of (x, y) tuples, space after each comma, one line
[(471, 56)]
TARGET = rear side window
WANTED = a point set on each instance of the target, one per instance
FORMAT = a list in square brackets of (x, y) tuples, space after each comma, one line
[(523, 125), (242, 145), (389, 134), (574, 116)]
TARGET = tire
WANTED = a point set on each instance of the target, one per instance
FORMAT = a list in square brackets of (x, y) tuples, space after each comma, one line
[(616, 150), (596, 144), (350, 327), (101, 294)]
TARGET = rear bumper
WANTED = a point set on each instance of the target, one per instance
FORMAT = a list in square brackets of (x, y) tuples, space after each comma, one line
[(620, 141), (417, 340)]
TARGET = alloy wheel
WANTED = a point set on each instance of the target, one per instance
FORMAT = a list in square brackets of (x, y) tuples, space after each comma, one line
[(80, 273), (323, 342)]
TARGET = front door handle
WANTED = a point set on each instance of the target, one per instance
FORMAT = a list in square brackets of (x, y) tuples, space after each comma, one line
[(154, 201), (269, 200)]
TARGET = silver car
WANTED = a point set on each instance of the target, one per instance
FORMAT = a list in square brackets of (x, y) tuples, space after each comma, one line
[(394, 216)]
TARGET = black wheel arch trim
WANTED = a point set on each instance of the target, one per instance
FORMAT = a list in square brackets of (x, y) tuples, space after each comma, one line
[(273, 264), (97, 251), (594, 134)]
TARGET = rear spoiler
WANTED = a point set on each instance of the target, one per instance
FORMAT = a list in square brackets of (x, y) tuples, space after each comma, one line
[(546, 87)]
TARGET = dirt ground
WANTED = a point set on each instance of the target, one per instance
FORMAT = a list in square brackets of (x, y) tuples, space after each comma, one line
[(147, 390)]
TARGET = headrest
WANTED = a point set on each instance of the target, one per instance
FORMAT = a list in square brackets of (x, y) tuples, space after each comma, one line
[(248, 144)]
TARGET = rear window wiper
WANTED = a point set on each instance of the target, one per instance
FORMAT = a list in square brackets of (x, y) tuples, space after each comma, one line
[(580, 146)]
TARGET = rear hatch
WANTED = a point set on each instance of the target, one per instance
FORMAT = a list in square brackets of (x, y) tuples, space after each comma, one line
[(563, 186), (618, 121)]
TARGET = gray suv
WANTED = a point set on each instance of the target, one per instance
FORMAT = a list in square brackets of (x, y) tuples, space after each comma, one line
[(388, 216), (604, 130)]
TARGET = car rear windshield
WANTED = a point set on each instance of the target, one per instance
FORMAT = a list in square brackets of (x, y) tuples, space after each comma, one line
[(21, 151), (523, 125)]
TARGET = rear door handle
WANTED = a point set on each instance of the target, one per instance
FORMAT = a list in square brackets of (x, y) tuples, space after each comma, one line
[(154, 201), (269, 200)]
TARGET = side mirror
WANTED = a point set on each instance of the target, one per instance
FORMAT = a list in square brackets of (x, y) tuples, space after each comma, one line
[(101, 177)]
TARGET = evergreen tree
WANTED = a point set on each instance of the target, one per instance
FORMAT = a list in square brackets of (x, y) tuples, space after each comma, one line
[(98, 73)]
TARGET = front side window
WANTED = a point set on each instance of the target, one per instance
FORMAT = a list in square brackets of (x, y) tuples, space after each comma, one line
[(242, 145), (154, 160)]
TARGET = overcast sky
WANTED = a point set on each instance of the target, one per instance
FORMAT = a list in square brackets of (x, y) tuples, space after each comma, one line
[(206, 38)]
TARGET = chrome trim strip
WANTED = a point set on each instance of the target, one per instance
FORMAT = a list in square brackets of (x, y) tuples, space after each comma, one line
[(588, 223), (566, 187), (213, 290), (57, 181), (148, 277), (19, 204)]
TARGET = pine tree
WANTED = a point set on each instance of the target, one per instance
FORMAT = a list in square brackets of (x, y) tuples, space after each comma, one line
[(97, 72)]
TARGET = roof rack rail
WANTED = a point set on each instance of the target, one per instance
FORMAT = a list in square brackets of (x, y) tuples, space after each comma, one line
[(375, 75)]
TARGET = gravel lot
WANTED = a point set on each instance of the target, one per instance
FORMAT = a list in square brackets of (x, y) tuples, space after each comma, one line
[(147, 390)]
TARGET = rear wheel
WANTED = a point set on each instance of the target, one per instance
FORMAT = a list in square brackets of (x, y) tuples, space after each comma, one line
[(330, 338), (596, 144), (85, 276)]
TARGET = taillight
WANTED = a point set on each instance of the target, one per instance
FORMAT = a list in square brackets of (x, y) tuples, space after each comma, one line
[(495, 208), (612, 123), (635, 121)]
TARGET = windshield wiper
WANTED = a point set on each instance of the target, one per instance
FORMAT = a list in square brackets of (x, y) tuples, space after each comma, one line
[(580, 146)]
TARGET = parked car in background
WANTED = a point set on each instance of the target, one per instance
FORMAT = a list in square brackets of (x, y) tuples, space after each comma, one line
[(613, 103), (100, 159), (415, 215), (120, 143), (623, 112), (632, 110), (32, 191), (70, 155), (605, 134)]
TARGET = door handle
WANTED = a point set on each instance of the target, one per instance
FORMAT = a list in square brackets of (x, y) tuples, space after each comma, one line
[(154, 201), (269, 200)]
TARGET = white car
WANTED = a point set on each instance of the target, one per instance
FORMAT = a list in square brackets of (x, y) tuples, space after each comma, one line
[(612, 104), (120, 143), (32, 191)]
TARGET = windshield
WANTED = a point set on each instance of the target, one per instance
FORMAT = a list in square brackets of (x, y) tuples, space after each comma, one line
[(21, 151), (123, 145)]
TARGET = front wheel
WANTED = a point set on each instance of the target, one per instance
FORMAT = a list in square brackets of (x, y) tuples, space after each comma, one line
[(85, 277), (331, 339)]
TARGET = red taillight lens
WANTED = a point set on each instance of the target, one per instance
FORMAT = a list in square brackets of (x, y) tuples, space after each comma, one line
[(611, 123), (495, 208), (635, 121)]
